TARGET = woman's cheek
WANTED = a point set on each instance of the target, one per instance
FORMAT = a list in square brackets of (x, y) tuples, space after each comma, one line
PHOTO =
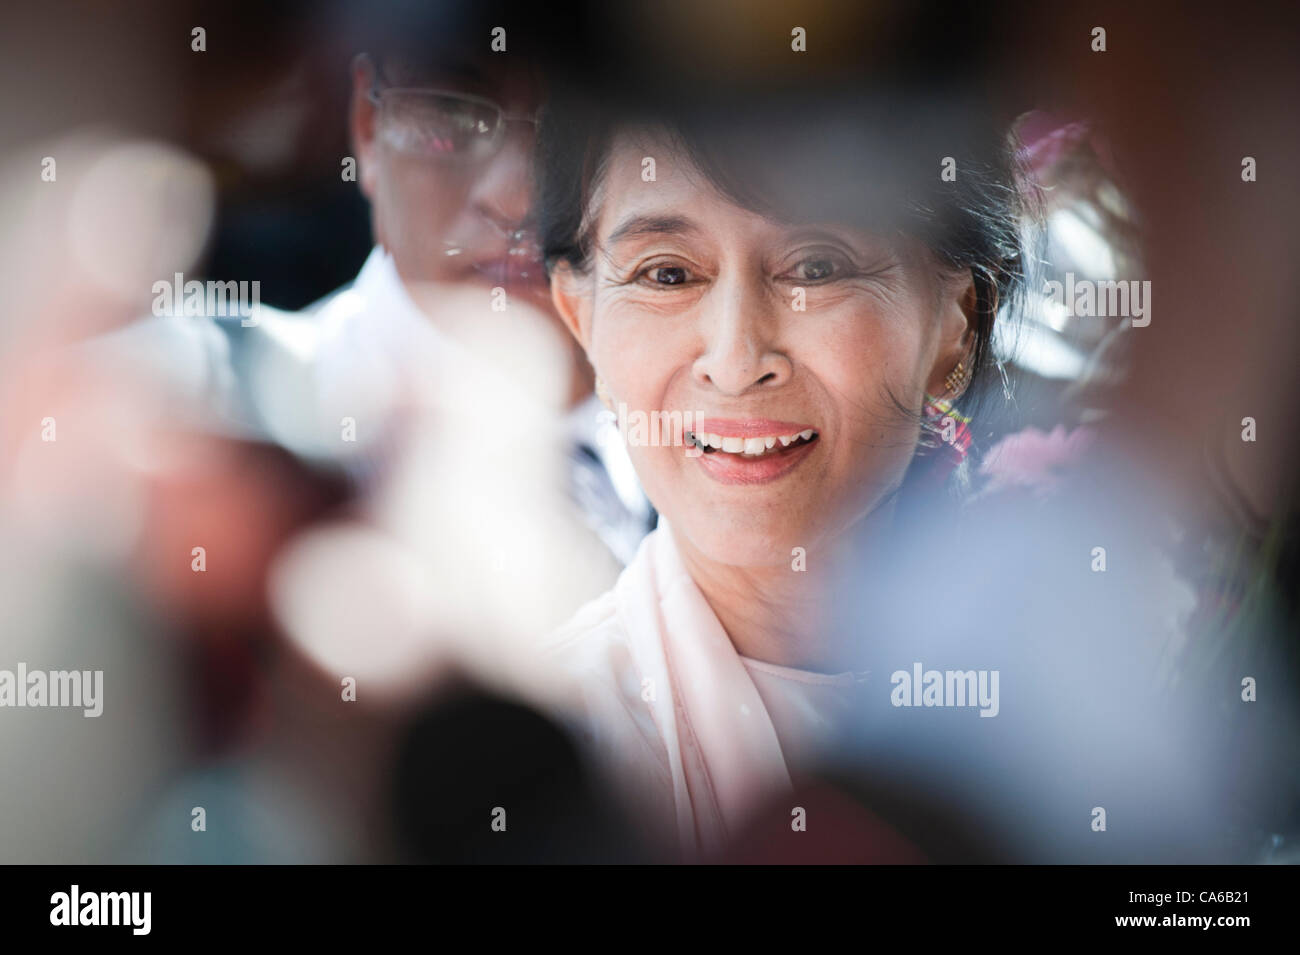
[(613, 361), (634, 373), (859, 356), (890, 345)]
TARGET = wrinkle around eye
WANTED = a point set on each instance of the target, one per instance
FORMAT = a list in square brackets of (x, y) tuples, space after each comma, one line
[(639, 275), (848, 262), (886, 289)]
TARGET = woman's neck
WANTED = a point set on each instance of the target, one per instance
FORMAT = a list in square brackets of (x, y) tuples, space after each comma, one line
[(774, 614), (783, 615)]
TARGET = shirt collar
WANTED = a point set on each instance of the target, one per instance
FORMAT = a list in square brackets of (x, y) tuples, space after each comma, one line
[(391, 318)]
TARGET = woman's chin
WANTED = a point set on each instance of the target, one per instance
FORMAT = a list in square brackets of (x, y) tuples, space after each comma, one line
[(750, 547)]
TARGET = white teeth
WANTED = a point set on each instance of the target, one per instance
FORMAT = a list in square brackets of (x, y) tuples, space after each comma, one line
[(748, 446)]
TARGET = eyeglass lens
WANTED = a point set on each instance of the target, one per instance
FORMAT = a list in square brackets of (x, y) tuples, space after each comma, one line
[(439, 126)]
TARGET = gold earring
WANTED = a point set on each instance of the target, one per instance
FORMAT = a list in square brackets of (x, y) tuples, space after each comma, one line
[(603, 394), (957, 378)]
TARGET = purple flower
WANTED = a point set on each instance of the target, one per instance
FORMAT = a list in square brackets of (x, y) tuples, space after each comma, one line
[(1048, 139), (1034, 459)]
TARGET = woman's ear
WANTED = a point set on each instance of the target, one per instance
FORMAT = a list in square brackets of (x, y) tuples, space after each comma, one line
[(571, 295), (957, 329)]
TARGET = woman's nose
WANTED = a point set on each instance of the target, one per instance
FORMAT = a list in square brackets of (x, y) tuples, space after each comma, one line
[(740, 340)]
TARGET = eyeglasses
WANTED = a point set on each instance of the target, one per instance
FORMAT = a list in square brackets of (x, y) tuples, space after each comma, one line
[(443, 125)]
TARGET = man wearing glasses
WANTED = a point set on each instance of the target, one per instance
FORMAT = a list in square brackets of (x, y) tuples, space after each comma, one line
[(443, 122), (442, 130), (443, 127)]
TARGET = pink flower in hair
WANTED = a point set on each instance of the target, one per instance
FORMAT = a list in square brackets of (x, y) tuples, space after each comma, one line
[(1048, 140), (1034, 459)]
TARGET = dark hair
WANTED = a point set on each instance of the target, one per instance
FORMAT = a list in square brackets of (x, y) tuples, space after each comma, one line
[(419, 38), (819, 153)]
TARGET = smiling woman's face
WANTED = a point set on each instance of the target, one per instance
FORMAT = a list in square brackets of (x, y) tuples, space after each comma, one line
[(690, 305)]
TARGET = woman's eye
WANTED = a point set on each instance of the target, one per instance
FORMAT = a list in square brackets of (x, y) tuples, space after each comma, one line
[(814, 269), (667, 275), (821, 267)]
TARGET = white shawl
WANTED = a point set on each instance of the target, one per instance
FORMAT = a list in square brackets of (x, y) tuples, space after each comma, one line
[(667, 707)]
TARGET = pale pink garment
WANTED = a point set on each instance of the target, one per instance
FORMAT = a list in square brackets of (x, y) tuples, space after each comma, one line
[(671, 713), (806, 708)]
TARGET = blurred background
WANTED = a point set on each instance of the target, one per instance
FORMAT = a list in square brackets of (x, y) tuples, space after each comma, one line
[(225, 687)]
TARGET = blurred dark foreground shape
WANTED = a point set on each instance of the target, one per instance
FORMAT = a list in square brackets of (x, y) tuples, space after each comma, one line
[(482, 779)]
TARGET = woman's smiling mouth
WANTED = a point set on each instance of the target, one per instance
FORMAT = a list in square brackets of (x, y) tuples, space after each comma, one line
[(709, 443), (753, 451)]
